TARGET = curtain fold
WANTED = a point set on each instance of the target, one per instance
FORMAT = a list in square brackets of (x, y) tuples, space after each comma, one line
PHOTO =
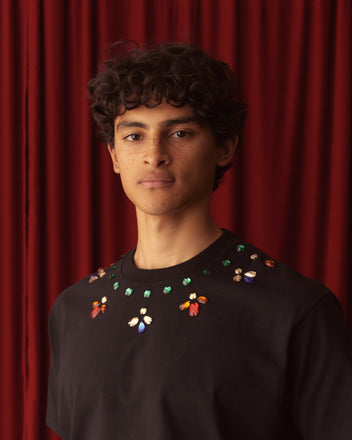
[(63, 212)]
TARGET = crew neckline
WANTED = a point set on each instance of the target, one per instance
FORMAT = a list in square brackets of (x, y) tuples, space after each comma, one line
[(204, 258)]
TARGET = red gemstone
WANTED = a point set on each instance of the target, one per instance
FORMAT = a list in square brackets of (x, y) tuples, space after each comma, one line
[(95, 312), (194, 309)]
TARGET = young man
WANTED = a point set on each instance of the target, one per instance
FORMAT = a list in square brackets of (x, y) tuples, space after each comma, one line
[(194, 334)]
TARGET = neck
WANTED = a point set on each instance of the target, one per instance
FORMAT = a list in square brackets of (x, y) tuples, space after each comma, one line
[(166, 241)]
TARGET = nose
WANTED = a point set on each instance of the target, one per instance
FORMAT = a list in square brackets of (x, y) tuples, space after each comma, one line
[(156, 152)]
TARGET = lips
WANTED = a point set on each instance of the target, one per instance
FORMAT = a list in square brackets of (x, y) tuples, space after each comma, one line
[(156, 180)]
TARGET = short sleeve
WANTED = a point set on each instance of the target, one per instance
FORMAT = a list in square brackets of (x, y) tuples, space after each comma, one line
[(320, 373)]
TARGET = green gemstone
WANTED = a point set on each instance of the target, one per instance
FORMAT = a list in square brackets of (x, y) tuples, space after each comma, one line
[(128, 291), (114, 266), (111, 276), (240, 248), (147, 293), (116, 285), (187, 281), (167, 290), (207, 272), (226, 263)]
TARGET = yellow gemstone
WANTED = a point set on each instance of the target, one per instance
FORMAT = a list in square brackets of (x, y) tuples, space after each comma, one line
[(185, 305)]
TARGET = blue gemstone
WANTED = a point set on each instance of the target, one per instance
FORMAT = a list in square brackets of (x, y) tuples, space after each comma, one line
[(248, 279), (141, 327)]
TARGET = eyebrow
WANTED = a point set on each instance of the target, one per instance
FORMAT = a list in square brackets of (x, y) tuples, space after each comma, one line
[(167, 123)]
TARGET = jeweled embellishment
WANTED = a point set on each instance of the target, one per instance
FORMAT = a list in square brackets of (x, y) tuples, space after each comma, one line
[(98, 274), (193, 307), (254, 257), (186, 281), (116, 285), (141, 321), (147, 293), (128, 291), (226, 263), (98, 306), (240, 248), (167, 290), (249, 276), (270, 263), (207, 272)]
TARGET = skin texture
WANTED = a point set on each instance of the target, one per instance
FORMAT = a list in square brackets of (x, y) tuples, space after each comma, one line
[(167, 161)]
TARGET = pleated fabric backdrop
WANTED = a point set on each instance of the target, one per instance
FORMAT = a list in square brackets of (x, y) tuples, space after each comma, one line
[(63, 212)]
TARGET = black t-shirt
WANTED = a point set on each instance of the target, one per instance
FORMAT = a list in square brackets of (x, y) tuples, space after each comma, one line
[(228, 345)]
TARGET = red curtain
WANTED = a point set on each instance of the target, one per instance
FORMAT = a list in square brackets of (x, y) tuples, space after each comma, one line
[(63, 212)]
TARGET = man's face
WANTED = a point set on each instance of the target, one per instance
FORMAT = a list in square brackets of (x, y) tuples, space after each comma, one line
[(166, 159)]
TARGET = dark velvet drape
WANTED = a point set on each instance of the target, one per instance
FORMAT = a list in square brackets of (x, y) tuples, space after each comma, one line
[(63, 212)]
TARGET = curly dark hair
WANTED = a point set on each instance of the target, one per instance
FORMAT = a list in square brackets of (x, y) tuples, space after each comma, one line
[(179, 73)]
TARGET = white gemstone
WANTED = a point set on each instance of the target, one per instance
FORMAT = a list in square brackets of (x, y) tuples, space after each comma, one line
[(250, 274), (133, 322), (193, 296), (104, 299), (147, 319), (143, 311)]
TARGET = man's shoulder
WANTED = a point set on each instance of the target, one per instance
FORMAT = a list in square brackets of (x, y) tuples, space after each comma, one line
[(275, 286), (88, 289)]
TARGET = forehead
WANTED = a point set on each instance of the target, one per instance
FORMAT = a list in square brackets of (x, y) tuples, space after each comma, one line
[(162, 114)]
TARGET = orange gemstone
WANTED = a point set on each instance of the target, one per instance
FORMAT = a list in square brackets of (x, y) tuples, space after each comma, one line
[(95, 304), (104, 308), (185, 305), (270, 263), (202, 299)]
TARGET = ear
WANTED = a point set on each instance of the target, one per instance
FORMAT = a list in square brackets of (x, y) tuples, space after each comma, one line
[(226, 151), (115, 162)]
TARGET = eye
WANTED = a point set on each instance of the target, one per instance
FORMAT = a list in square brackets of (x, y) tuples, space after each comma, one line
[(180, 134), (133, 137)]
